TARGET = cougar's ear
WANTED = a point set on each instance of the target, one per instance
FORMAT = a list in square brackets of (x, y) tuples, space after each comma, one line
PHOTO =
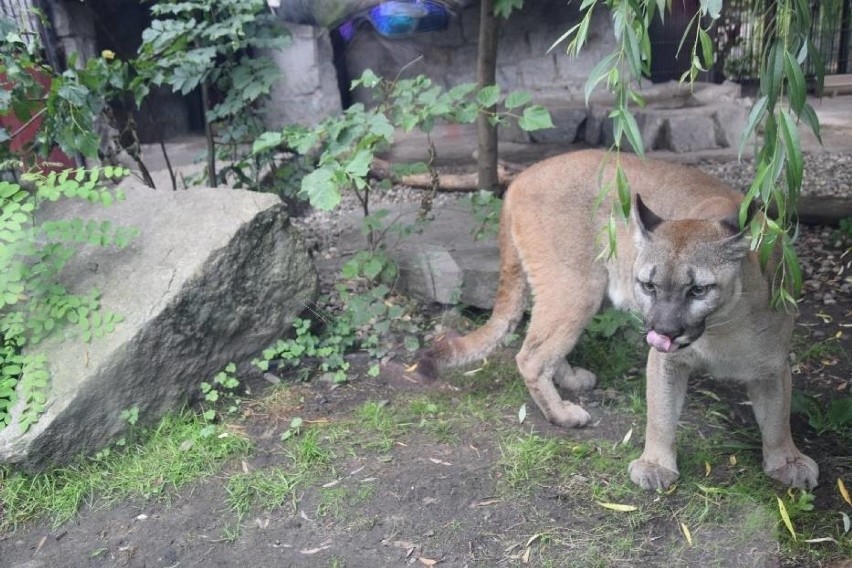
[(738, 244), (732, 222), (644, 220)]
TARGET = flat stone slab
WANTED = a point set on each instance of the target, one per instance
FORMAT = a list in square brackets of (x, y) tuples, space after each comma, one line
[(444, 263), (215, 275)]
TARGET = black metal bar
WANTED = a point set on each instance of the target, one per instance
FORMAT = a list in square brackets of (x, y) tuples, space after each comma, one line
[(843, 50)]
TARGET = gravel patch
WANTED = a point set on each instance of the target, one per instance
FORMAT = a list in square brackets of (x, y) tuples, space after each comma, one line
[(826, 174)]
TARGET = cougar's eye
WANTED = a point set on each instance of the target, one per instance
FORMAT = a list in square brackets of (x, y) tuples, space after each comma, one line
[(648, 287), (698, 291)]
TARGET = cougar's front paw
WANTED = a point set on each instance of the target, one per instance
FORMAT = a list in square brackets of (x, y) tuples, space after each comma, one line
[(570, 415), (798, 471), (576, 379), (651, 476)]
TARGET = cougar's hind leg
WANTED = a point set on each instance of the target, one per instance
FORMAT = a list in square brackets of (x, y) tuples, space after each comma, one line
[(560, 313)]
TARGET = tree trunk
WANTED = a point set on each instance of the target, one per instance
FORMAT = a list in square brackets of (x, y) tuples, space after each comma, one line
[(486, 74), (208, 133)]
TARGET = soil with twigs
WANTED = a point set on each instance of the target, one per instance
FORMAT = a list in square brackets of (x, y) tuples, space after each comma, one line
[(466, 473)]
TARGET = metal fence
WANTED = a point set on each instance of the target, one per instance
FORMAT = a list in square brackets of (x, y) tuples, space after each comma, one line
[(741, 32), (22, 13)]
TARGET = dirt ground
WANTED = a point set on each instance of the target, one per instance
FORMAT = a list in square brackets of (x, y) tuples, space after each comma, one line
[(427, 497), (452, 486)]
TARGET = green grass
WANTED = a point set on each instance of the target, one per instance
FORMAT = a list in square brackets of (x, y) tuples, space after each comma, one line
[(266, 489), (179, 451)]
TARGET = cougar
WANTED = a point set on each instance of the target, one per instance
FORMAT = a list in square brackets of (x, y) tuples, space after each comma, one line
[(682, 263)]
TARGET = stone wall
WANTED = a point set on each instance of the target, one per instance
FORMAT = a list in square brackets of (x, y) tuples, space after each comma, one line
[(523, 62), (307, 90)]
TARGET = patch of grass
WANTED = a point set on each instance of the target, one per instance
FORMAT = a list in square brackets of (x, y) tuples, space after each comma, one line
[(332, 502), (307, 451), (527, 461), (266, 489), (341, 502), (376, 418), (180, 450), (816, 352)]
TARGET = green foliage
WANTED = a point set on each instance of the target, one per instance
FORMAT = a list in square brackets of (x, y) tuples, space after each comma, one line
[(370, 321), (160, 461), (221, 393), (780, 106), (33, 302), (611, 346), (832, 416), (486, 209), (207, 44), (843, 234), (66, 104), (505, 8), (344, 147), (327, 349)]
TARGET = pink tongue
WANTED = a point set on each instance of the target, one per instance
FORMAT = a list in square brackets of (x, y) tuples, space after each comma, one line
[(660, 342)]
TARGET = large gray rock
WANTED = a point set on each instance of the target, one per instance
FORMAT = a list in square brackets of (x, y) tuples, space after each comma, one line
[(215, 276)]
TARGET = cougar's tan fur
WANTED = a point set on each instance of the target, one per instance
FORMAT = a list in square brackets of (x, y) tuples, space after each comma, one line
[(681, 263)]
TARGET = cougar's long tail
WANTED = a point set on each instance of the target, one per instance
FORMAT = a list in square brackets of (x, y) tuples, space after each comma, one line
[(507, 312)]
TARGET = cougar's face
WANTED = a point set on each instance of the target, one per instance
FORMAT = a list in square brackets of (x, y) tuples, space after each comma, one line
[(685, 271)]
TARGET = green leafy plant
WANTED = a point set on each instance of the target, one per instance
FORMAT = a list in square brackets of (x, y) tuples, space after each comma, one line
[(781, 104), (63, 106), (221, 393), (206, 44), (33, 302), (834, 415), (344, 148), (346, 145)]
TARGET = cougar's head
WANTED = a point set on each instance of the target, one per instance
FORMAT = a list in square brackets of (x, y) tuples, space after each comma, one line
[(685, 271)]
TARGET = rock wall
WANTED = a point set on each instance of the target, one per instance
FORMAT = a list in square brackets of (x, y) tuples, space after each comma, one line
[(523, 62)]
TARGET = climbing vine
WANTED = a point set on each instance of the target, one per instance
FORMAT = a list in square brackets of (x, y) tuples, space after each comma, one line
[(33, 303)]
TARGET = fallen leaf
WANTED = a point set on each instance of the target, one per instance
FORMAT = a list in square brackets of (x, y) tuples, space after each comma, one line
[(618, 507), (824, 317), (843, 491), (732, 459), (141, 517), (522, 413), (786, 517), (428, 561), (40, 543), (707, 469), (403, 544), (472, 372), (324, 546), (847, 524), (331, 484), (686, 533), (627, 437), (245, 466), (411, 369), (818, 540), (486, 502), (525, 559), (439, 462)]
